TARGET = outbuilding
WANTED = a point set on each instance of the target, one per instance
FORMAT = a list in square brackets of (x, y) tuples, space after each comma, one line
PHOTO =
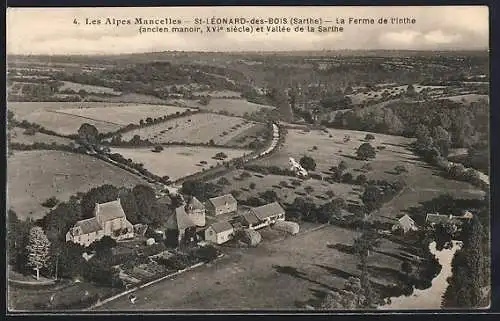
[(219, 232)]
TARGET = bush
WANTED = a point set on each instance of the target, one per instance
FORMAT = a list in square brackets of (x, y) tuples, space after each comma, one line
[(252, 185), (347, 178), (309, 189), (369, 137), (308, 163), (400, 169), (158, 148), (330, 193), (50, 202), (365, 151)]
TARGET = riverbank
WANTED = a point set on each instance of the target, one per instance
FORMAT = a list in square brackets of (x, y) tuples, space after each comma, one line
[(431, 297)]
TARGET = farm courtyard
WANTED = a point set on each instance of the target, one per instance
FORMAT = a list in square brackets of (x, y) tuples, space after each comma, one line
[(178, 161), (284, 273), (34, 176)]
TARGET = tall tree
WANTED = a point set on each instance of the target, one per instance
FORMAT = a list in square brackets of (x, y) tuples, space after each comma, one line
[(365, 151), (38, 250), (88, 133)]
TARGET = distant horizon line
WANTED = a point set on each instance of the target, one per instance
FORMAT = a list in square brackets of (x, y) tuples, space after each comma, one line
[(249, 51)]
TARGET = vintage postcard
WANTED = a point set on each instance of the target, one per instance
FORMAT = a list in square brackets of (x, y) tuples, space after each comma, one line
[(248, 158)]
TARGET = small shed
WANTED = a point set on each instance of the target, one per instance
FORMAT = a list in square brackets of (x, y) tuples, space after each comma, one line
[(219, 232), (287, 226), (250, 237)]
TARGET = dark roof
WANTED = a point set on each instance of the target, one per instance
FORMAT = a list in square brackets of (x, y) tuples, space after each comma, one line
[(250, 218), (89, 225), (111, 210), (222, 200), (179, 220), (221, 226), (440, 218), (268, 210), (197, 205)]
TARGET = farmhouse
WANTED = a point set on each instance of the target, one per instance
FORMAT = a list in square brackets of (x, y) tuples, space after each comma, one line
[(109, 219), (180, 228), (221, 205), (219, 232), (405, 224), (251, 221), (269, 213), (195, 210)]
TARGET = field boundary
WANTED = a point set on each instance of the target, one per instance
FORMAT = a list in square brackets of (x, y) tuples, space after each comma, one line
[(79, 116)]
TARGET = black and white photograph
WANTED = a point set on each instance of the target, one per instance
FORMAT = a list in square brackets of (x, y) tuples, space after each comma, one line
[(253, 158)]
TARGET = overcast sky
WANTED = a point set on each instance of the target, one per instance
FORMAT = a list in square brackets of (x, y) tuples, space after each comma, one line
[(52, 31)]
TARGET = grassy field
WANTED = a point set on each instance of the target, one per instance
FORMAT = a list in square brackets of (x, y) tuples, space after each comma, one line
[(467, 99), (234, 107), (124, 115), (19, 137), (34, 176), (66, 124), (219, 93), (288, 194), (21, 109), (331, 150), (88, 88), (177, 161), (66, 117), (361, 97), (31, 298), (198, 128), (423, 181), (277, 275), (131, 98)]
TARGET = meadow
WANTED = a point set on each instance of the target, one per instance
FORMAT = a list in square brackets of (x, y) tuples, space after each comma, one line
[(177, 161), (34, 176), (88, 88), (233, 107), (124, 115), (197, 129)]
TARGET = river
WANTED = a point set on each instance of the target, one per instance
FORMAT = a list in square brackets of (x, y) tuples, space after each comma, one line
[(431, 297)]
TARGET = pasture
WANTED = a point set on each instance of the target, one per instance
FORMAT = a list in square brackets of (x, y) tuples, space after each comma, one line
[(330, 151), (197, 129), (467, 99), (34, 176), (130, 98), (423, 181), (233, 107), (67, 124), (287, 193), (282, 274), (19, 137), (88, 88), (66, 117), (177, 161), (219, 93), (124, 115), (22, 109)]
